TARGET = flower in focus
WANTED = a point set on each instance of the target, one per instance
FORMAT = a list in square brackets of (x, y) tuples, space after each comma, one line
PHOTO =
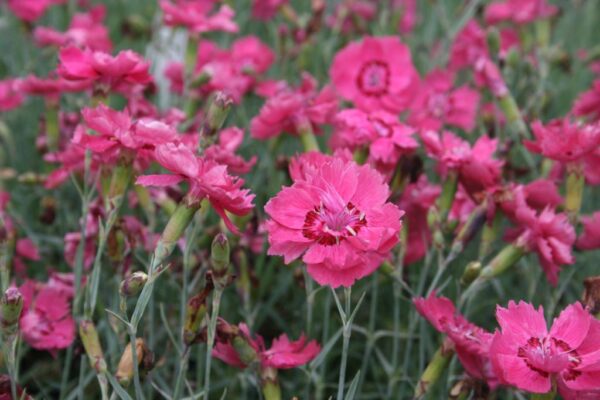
[(206, 179), (293, 109), (518, 11), (337, 218), (283, 353), (46, 322), (471, 342), (103, 71), (437, 104), (223, 152), (375, 73), (198, 16), (527, 355)]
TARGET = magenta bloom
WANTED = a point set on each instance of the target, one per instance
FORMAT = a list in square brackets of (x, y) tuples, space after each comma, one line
[(476, 167), (46, 322), (588, 103), (31, 10), (375, 73), (223, 152), (564, 140), (382, 132), (292, 109), (85, 30), (337, 218), (408, 12), (417, 199), (469, 46), (548, 234), (10, 95), (590, 238), (198, 15), (526, 355), (470, 341), (283, 353), (103, 71), (206, 179), (518, 11), (438, 104)]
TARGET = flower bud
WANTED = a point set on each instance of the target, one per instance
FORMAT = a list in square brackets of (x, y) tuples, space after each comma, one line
[(12, 305), (220, 259), (195, 314), (133, 284), (144, 358), (591, 294), (472, 271), (91, 344), (507, 257), (244, 350), (216, 114)]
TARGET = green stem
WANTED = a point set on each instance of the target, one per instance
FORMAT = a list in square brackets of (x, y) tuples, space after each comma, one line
[(212, 327), (433, 372), (308, 139), (139, 394), (52, 126), (181, 373), (347, 330), (575, 186)]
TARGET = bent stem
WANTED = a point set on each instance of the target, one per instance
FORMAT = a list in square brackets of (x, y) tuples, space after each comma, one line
[(434, 370), (210, 341)]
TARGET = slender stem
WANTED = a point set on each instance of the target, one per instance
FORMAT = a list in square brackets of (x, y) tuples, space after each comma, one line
[(181, 373), (347, 330), (139, 394), (212, 327)]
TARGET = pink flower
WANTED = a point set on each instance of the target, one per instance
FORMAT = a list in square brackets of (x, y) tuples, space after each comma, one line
[(85, 30), (590, 238), (588, 103), (518, 11), (375, 73), (563, 140), (10, 95), (542, 193), (206, 179), (470, 341), (387, 138), (121, 72), (417, 199), (118, 135), (292, 109), (46, 322), (526, 355), (50, 88), (196, 16), (337, 218), (264, 10), (283, 353), (31, 10), (548, 234), (437, 104), (223, 152), (469, 46), (408, 12), (476, 168)]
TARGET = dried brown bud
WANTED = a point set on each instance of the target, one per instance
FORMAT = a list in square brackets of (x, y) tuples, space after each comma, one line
[(144, 357), (591, 293)]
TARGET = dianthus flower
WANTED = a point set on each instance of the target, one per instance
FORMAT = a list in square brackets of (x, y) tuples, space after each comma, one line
[(588, 103), (264, 10), (471, 342), (223, 152), (527, 355), (206, 179), (375, 73), (198, 15), (102, 71), (283, 353), (295, 109), (518, 11), (590, 238), (437, 104), (337, 218), (10, 96), (31, 10), (86, 30)]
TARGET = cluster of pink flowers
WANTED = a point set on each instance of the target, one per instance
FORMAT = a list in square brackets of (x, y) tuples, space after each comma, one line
[(524, 353)]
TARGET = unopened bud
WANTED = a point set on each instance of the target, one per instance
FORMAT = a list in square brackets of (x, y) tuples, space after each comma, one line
[(472, 271), (244, 350), (503, 261), (591, 294), (91, 343), (133, 284), (144, 358), (195, 314), (217, 112), (220, 259), (12, 305)]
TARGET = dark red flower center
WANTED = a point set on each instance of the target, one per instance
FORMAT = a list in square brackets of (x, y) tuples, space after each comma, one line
[(329, 227), (550, 355), (373, 78)]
